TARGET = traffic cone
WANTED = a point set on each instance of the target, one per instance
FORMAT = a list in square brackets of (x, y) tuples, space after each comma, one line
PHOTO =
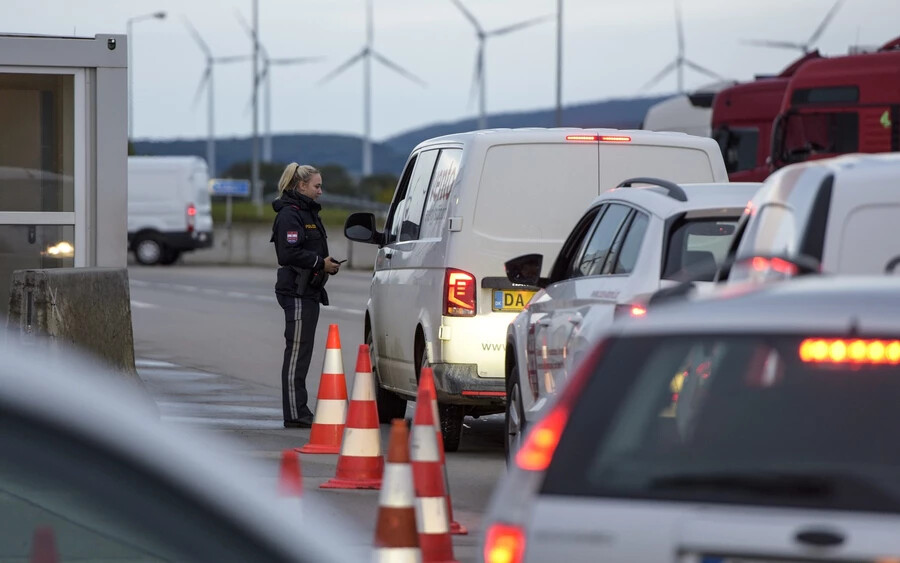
[(360, 465), (43, 546), (431, 500), (290, 478), (396, 536), (331, 404), (426, 379)]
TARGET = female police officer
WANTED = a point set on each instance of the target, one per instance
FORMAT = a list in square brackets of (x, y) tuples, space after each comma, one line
[(302, 249)]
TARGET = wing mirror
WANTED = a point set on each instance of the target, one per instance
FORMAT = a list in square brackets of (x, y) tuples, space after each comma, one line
[(526, 270), (360, 227)]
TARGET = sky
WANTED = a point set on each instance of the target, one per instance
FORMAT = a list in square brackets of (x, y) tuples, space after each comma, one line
[(611, 49)]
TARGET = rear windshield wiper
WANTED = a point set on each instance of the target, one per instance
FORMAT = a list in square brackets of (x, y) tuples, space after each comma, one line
[(757, 483)]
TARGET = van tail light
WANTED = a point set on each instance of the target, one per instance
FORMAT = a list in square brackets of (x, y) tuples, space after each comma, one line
[(191, 217), (459, 293), (504, 543), (632, 310), (540, 443), (598, 138)]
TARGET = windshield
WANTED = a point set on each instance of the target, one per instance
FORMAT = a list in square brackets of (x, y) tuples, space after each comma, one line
[(738, 146), (768, 419), (804, 135), (697, 248)]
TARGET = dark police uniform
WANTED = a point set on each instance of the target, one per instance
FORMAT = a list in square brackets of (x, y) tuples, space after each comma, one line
[(301, 246)]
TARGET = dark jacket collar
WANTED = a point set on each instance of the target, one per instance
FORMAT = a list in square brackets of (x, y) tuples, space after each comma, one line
[(294, 198)]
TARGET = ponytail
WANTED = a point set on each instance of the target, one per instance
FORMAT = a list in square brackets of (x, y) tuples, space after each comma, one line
[(293, 175)]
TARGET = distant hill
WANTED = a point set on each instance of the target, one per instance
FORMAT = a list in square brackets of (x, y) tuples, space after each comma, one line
[(390, 155)]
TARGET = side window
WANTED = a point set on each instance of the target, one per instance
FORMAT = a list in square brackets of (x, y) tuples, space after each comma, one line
[(562, 266), (629, 253), (439, 195), (592, 258), (415, 195), (398, 206)]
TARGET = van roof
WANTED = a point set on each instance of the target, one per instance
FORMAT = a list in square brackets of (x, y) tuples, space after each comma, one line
[(857, 162), (490, 137), (166, 161), (714, 195)]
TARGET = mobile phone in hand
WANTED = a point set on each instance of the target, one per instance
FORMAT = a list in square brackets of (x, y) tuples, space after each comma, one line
[(339, 261)]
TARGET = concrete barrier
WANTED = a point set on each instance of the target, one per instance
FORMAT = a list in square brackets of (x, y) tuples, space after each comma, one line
[(87, 308)]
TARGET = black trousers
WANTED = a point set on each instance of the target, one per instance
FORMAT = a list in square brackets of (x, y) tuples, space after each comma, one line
[(300, 319)]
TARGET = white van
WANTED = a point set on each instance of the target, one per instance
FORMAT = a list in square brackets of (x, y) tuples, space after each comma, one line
[(467, 203), (169, 209), (837, 215)]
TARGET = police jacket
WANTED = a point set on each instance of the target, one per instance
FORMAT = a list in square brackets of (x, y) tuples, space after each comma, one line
[(301, 246)]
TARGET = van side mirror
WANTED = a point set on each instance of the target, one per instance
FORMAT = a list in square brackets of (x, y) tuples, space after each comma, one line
[(892, 265), (526, 270), (360, 227)]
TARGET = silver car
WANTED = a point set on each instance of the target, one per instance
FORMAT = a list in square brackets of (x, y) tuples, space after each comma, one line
[(755, 424)]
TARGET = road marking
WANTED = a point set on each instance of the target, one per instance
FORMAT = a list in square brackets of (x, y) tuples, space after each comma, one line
[(142, 305)]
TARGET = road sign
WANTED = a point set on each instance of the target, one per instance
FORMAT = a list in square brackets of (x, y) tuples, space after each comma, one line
[(237, 188)]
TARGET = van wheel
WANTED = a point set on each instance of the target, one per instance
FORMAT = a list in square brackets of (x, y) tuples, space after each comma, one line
[(451, 425), (169, 256), (148, 251), (389, 404)]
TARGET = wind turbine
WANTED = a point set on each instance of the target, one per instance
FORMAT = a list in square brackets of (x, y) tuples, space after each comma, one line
[(265, 77), (366, 55), (206, 80), (806, 48), (478, 82), (680, 60)]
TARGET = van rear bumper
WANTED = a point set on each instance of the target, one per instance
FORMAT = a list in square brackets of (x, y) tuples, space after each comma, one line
[(459, 384), (182, 240)]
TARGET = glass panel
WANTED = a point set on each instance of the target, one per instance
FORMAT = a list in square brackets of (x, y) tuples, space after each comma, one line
[(439, 195), (697, 248), (415, 196), (33, 246), (594, 256), (37, 142)]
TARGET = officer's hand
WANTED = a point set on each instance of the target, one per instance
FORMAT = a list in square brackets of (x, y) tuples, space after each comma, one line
[(331, 266)]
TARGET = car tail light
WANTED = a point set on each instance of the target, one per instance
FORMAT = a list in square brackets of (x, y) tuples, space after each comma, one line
[(599, 138), (850, 351), (777, 265), (459, 293), (191, 217), (633, 310), (540, 443), (504, 543)]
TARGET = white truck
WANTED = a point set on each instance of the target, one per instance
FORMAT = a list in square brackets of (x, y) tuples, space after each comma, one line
[(169, 207)]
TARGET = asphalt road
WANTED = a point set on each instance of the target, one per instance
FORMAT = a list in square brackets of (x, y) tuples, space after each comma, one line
[(209, 346)]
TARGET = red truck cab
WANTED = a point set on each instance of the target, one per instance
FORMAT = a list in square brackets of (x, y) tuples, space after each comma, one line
[(840, 105)]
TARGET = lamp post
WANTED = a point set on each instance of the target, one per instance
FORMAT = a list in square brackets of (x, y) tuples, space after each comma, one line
[(559, 47), (128, 25)]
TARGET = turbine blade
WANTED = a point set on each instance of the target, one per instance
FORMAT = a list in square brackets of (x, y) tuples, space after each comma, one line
[(398, 69), (660, 75), (703, 70), (233, 59), (518, 26), (196, 35), (680, 28), (347, 64), (828, 17), (204, 78), (468, 15), (773, 44), (244, 24), (295, 60), (476, 78)]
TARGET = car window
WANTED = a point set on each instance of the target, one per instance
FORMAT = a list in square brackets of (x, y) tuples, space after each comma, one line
[(415, 195), (629, 252), (697, 248), (398, 205), (91, 505), (439, 194), (759, 418), (593, 256), (562, 267)]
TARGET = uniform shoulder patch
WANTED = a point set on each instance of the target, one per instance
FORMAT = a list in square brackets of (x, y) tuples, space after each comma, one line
[(292, 237)]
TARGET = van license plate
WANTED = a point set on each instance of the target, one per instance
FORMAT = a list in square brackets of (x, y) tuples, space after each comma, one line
[(510, 299)]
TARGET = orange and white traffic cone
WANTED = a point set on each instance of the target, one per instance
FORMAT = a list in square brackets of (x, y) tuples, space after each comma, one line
[(431, 500), (426, 379), (360, 465), (43, 546), (331, 403), (290, 479), (396, 536)]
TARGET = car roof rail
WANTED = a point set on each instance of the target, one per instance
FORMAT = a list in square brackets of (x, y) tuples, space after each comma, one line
[(673, 190)]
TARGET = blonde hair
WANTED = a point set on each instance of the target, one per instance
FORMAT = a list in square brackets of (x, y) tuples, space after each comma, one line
[(294, 174)]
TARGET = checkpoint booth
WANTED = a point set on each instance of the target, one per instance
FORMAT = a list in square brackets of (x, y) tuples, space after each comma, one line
[(63, 153)]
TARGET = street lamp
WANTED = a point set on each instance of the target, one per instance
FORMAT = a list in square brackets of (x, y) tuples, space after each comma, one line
[(128, 25)]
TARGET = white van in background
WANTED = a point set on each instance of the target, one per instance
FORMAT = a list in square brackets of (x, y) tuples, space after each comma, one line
[(169, 207), (466, 204)]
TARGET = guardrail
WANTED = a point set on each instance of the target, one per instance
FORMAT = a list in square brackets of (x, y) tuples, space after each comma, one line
[(355, 203)]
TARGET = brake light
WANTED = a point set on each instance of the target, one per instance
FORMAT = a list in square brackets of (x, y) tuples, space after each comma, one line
[(779, 265), (633, 310), (504, 543), (599, 138), (540, 444), (191, 217), (459, 293), (854, 351)]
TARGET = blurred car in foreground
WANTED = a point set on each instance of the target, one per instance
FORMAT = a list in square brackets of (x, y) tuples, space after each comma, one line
[(646, 234), (89, 471), (754, 424), (841, 213)]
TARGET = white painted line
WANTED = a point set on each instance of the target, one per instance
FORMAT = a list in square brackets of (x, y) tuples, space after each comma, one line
[(142, 305), (140, 283), (147, 363), (345, 310)]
